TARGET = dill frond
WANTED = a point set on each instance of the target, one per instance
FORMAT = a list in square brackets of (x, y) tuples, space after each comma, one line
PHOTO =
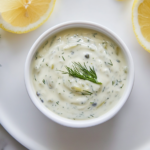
[(82, 72)]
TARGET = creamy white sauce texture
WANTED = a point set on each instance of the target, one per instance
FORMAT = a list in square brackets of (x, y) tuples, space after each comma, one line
[(63, 94)]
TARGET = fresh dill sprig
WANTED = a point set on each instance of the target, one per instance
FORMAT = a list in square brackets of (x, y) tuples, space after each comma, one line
[(82, 72)]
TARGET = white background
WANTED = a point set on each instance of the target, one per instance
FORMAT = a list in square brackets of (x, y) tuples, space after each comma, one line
[(128, 130)]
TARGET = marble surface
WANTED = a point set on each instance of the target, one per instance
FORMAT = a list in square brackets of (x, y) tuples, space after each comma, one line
[(7, 142)]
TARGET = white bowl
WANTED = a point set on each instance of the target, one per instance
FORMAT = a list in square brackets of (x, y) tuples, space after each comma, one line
[(52, 115)]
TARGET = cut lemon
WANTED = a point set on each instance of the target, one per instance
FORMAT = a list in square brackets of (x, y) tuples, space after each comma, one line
[(22, 16), (141, 22)]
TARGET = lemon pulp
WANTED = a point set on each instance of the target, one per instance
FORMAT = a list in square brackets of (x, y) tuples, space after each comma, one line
[(144, 19), (21, 16)]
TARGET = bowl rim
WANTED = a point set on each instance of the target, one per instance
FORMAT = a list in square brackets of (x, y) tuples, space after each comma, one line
[(68, 122)]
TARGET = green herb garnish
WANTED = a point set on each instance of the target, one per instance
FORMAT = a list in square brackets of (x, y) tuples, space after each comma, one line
[(82, 72)]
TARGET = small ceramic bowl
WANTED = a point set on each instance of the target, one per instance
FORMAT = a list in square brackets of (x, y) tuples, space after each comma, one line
[(64, 121)]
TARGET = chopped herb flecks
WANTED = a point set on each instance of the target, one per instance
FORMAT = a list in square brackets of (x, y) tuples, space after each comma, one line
[(103, 89), (72, 52), (63, 58), (113, 82), (122, 86), (110, 63), (67, 72), (104, 44), (43, 81), (94, 34), (86, 92)]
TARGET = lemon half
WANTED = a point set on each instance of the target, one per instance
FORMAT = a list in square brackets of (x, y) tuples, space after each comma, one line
[(141, 22), (22, 16)]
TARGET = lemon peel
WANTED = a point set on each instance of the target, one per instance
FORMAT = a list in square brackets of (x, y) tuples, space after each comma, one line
[(141, 22)]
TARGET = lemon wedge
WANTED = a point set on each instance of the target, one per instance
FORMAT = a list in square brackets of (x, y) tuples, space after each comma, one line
[(22, 16), (141, 22)]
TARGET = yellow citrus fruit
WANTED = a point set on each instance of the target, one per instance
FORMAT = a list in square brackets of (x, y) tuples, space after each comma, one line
[(22, 16), (141, 22)]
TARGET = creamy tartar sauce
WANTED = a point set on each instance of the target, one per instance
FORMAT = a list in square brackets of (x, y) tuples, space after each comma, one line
[(72, 97)]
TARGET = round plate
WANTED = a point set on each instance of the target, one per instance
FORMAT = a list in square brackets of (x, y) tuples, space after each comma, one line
[(129, 129)]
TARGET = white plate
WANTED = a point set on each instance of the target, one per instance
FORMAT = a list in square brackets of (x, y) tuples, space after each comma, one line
[(128, 130)]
